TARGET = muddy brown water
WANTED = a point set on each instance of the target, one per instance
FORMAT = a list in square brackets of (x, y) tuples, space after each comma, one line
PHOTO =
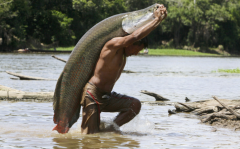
[(29, 124)]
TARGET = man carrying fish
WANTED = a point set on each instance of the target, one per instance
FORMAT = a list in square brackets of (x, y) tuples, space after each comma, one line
[(97, 95), (94, 66)]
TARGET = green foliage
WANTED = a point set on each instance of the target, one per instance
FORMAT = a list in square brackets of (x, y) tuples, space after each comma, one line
[(237, 70), (63, 48), (64, 35), (5, 28), (201, 20), (175, 52), (50, 24), (204, 24), (90, 12), (19, 22)]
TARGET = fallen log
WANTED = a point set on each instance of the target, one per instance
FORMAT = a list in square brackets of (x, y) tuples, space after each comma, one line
[(124, 71), (222, 113), (5, 88), (204, 111), (7, 93), (24, 77), (189, 108), (228, 108), (26, 96), (157, 96), (217, 115)]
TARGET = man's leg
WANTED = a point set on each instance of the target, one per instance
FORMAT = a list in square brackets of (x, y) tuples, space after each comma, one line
[(126, 116), (90, 118), (128, 107)]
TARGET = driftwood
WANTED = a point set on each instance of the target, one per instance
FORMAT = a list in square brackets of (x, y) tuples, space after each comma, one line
[(157, 96), (59, 58), (24, 77), (223, 113), (128, 71), (188, 107), (4, 88), (124, 71), (7, 93), (217, 115), (26, 96), (228, 108)]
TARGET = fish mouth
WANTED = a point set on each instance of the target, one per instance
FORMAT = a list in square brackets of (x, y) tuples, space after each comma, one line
[(136, 19)]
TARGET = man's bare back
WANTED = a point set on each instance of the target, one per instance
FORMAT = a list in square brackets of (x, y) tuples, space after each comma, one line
[(108, 68)]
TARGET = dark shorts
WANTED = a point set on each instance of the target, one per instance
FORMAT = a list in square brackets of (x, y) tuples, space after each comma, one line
[(94, 102)]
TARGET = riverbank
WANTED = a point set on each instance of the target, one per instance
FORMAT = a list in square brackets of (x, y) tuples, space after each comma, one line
[(178, 52), (221, 113), (151, 52), (159, 52)]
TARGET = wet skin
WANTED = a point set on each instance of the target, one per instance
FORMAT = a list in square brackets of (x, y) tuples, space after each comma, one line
[(113, 59)]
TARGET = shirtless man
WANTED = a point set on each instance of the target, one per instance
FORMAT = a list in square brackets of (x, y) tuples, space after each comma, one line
[(97, 95)]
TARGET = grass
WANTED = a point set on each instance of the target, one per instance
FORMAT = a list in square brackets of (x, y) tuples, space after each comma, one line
[(63, 48), (177, 52), (237, 70)]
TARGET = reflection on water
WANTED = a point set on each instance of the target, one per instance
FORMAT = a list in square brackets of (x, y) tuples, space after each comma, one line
[(96, 141), (29, 124)]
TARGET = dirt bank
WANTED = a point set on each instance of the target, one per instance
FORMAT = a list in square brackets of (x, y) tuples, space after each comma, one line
[(215, 112)]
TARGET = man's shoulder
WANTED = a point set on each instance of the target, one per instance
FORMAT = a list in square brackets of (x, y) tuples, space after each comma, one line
[(110, 49), (114, 43), (114, 40)]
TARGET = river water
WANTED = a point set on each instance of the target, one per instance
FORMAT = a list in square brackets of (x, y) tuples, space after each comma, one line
[(29, 124)]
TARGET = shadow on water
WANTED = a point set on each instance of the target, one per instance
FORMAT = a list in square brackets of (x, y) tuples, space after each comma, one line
[(96, 141)]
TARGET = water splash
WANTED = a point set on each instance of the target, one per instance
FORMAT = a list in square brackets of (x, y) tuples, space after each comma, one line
[(140, 125)]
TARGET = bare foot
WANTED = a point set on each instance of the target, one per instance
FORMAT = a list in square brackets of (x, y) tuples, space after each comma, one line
[(112, 128)]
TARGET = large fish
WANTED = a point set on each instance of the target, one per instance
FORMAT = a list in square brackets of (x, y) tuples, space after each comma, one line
[(81, 63)]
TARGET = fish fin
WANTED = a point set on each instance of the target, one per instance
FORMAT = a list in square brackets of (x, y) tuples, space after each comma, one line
[(56, 98)]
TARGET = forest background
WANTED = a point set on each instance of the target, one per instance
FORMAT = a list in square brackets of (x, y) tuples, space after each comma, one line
[(191, 24)]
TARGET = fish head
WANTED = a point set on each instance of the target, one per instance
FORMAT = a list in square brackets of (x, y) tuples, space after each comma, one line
[(136, 19)]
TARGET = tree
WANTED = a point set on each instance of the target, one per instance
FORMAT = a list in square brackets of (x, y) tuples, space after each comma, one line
[(90, 12), (201, 20), (5, 30), (49, 23)]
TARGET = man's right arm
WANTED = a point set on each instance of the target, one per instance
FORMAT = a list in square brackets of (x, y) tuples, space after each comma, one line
[(120, 42)]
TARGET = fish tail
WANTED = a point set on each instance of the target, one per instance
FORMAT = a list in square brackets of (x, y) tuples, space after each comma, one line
[(61, 128)]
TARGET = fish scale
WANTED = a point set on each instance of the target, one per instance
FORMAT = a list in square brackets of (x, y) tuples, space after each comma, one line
[(81, 63)]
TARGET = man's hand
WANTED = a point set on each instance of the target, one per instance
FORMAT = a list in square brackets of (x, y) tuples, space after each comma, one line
[(160, 12)]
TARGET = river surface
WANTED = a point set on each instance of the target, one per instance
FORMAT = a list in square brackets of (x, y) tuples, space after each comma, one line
[(29, 124)]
